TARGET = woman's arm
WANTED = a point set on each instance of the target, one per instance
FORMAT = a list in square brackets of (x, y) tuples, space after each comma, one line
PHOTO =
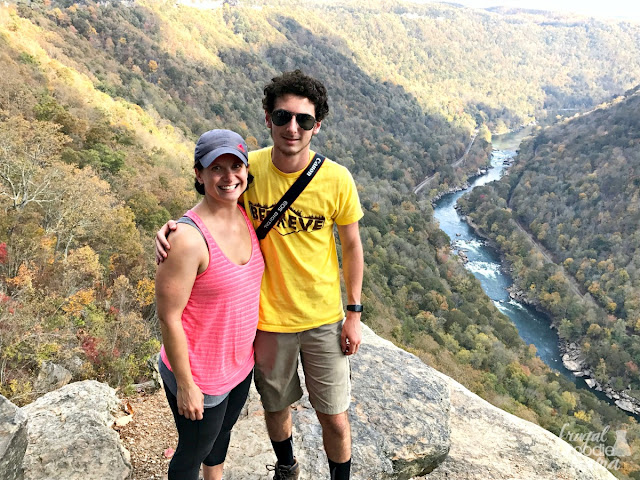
[(174, 280)]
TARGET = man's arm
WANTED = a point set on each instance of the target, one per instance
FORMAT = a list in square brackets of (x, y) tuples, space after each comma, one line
[(162, 236), (352, 267)]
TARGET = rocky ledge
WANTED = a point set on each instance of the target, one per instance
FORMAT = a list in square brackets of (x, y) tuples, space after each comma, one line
[(408, 422)]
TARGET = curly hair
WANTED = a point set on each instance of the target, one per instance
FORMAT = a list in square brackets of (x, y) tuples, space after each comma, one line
[(297, 83)]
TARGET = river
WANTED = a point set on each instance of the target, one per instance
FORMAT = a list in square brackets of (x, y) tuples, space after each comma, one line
[(484, 263)]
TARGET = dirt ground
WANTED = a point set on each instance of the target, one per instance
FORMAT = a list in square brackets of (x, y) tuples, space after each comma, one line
[(148, 435)]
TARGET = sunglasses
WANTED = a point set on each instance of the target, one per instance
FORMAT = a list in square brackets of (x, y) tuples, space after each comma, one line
[(283, 117)]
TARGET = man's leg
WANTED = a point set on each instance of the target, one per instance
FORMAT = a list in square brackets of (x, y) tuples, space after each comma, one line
[(327, 376), (279, 424), (336, 436), (277, 382), (279, 428)]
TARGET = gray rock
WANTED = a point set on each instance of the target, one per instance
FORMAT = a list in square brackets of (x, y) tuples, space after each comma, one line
[(156, 379), (399, 419), (626, 405), (51, 377), (70, 435), (573, 363), (489, 443), (400, 412), (75, 365), (155, 370), (13, 440), (388, 397)]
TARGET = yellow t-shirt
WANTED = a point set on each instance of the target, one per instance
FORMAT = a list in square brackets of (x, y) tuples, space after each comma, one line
[(301, 282)]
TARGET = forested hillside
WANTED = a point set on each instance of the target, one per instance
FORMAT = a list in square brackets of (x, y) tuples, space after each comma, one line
[(100, 104), (576, 188)]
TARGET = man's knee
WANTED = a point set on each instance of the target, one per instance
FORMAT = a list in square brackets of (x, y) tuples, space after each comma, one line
[(279, 424), (337, 425), (280, 416)]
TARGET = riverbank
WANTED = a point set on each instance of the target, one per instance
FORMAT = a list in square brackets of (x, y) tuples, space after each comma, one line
[(466, 185), (572, 356)]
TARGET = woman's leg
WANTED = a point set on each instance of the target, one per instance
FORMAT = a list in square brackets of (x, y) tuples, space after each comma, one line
[(235, 401), (196, 439), (212, 473)]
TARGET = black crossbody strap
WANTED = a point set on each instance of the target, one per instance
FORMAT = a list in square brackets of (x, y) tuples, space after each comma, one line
[(290, 196)]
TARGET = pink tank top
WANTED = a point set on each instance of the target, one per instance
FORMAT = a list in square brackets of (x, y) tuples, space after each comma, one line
[(221, 316)]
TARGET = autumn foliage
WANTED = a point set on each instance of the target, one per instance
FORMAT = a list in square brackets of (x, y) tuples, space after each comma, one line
[(100, 104)]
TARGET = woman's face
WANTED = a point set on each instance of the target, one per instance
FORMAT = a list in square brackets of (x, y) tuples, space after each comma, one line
[(225, 179)]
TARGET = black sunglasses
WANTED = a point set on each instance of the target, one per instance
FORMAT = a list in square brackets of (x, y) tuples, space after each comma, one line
[(283, 117)]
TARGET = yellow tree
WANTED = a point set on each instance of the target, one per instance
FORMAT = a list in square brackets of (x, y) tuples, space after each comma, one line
[(27, 150), (78, 206)]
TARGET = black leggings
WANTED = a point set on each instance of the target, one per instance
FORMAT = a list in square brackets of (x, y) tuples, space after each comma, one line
[(207, 440)]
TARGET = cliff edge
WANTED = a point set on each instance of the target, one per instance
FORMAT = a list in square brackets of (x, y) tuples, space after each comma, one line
[(408, 422)]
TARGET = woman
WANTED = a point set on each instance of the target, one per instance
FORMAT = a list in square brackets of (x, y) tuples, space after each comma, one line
[(207, 294)]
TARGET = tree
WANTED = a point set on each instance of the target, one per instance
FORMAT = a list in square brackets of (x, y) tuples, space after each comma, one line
[(27, 149), (72, 215)]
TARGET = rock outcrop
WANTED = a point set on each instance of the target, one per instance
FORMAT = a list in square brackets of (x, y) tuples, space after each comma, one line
[(408, 422), (489, 443), (574, 361), (13, 440), (399, 420), (396, 402), (70, 435)]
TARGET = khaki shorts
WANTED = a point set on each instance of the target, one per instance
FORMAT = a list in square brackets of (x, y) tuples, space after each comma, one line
[(326, 369)]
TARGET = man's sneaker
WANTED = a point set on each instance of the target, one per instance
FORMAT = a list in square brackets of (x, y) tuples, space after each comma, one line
[(285, 472)]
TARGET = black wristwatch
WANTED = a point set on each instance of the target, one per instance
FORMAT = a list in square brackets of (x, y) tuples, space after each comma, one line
[(355, 308)]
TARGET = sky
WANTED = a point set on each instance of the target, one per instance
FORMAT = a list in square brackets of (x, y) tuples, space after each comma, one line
[(617, 9)]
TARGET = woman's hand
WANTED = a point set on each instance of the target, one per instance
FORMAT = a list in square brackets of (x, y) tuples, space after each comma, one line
[(190, 402), (162, 244)]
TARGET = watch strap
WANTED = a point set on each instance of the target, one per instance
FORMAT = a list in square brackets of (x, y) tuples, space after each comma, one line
[(355, 308)]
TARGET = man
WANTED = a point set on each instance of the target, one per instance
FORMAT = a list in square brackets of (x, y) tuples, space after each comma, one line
[(301, 312)]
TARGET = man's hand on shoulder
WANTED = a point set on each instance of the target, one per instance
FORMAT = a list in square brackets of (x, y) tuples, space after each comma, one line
[(162, 242)]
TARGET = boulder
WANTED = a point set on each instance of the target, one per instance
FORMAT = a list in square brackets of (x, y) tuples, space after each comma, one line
[(51, 377), (13, 440), (70, 435), (152, 363), (572, 359), (76, 366), (399, 420), (404, 421), (489, 443), (628, 405)]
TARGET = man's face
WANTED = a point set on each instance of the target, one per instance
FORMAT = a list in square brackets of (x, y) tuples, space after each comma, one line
[(290, 139)]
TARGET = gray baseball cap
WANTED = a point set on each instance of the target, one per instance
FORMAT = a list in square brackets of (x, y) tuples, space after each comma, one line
[(214, 143)]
